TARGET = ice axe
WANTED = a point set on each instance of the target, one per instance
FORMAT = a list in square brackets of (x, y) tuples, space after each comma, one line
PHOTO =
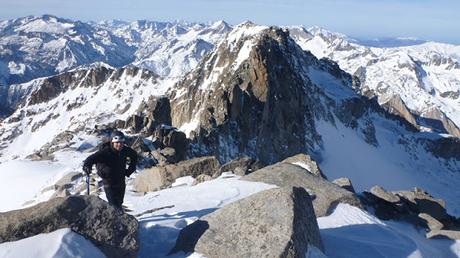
[(87, 183)]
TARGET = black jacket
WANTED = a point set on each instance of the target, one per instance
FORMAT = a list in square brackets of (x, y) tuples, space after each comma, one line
[(111, 165)]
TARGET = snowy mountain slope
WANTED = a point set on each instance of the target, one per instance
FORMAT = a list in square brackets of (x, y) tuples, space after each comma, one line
[(73, 102), (425, 77), (256, 93), (33, 47), (168, 49), (259, 94)]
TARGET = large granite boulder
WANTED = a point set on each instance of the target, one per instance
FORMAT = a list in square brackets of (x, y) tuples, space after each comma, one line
[(111, 230), (156, 178), (326, 195), (278, 222), (150, 180)]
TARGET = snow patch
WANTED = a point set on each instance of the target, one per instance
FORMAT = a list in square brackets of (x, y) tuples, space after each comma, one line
[(60, 243)]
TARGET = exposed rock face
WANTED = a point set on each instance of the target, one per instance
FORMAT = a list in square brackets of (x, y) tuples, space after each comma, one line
[(423, 202), (156, 178), (240, 166), (447, 148), (384, 194), (437, 120), (396, 105), (157, 111), (307, 163), (165, 156), (167, 136), (279, 222), (53, 86), (248, 109), (326, 195), (111, 230), (345, 183)]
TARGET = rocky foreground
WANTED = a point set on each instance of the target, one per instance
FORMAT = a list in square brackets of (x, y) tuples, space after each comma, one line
[(279, 222)]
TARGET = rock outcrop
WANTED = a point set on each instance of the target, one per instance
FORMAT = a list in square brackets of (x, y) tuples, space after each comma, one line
[(307, 163), (240, 166), (449, 234), (345, 183), (415, 206), (111, 230), (279, 222), (325, 194)]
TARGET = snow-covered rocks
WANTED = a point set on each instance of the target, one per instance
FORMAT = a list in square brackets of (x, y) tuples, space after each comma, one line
[(279, 222), (326, 194), (420, 82), (114, 232), (415, 206)]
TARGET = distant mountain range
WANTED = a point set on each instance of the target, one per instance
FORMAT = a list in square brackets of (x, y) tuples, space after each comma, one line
[(419, 82), (256, 92)]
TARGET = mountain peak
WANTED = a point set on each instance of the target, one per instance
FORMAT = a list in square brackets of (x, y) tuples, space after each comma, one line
[(46, 24), (320, 31), (243, 30)]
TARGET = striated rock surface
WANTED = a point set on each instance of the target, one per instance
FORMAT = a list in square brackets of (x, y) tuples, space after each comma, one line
[(279, 222)]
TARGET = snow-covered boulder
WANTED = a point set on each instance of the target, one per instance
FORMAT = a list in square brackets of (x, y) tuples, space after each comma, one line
[(278, 222), (326, 194), (111, 230)]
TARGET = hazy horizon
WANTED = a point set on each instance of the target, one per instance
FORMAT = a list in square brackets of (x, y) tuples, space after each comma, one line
[(364, 19)]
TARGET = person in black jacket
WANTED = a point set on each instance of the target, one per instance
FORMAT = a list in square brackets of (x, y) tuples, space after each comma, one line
[(111, 161)]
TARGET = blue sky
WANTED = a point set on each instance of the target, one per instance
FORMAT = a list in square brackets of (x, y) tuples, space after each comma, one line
[(425, 19)]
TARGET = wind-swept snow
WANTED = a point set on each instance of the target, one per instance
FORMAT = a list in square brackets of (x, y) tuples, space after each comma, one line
[(21, 181), (351, 232), (389, 164), (58, 244)]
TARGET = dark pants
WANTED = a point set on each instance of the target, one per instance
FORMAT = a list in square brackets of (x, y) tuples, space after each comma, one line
[(115, 194)]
